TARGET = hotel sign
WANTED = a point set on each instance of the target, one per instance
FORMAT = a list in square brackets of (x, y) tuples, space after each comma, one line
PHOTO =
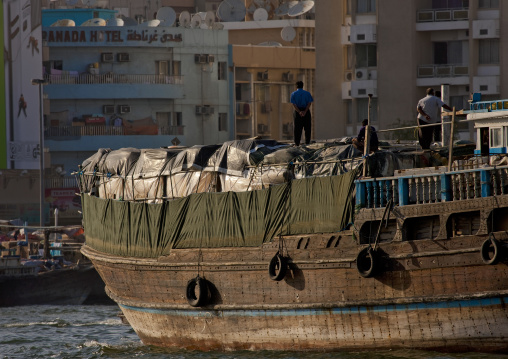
[(114, 37)]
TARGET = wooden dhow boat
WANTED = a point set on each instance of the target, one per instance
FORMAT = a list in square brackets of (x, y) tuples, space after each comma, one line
[(222, 248)]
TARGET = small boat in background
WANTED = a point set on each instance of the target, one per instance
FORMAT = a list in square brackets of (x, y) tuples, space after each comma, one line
[(36, 270)]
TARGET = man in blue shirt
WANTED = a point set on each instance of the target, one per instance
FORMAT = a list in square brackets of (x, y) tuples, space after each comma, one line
[(301, 101)]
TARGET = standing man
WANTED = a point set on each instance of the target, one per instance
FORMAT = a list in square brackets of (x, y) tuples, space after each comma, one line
[(301, 101), (428, 114)]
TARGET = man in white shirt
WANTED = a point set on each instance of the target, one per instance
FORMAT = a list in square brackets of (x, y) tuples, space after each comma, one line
[(428, 114)]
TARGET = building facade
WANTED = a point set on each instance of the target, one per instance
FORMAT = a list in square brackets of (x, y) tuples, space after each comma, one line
[(394, 50)]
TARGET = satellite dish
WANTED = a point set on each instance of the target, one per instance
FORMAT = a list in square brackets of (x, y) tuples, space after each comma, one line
[(184, 19), (129, 21), (150, 23), (88, 3), (218, 26), (288, 33), (63, 22), (94, 22), (270, 43), (209, 19), (231, 10), (195, 21), (260, 14), (284, 8), (166, 15), (115, 22), (71, 2), (301, 8)]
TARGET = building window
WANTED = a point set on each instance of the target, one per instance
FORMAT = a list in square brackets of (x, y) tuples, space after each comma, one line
[(366, 55), (223, 121), (489, 51), (447, 53), (176, 68), (161, 67), (365, 6), (348, 104), (450, 4), (221, 69), (177, 119), (349, 57), (362, 109), (348, 7), (487, 4), (285, 93)]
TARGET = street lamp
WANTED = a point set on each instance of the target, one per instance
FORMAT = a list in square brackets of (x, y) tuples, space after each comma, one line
[(40, 83)]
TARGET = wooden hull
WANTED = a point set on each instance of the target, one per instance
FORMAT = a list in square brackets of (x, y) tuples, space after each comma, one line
[(433, 294)]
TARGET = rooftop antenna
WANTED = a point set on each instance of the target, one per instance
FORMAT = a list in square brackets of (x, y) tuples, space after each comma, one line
[(94, 22), (288, 33), (151, 23), (284, 8), (184, 19), (115, 21), (209, 19), (195, 21), (260, 14), (166, 16), (88, 3), (231, 10), (301, 8)]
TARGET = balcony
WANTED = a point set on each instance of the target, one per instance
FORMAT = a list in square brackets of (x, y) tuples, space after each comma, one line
[(55, 132), (442, 19), (432, 75), (113, 86)]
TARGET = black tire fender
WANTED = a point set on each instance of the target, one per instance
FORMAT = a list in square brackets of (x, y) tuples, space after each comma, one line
[(278, 267), (490, 251), (366, 262), (197, 292)]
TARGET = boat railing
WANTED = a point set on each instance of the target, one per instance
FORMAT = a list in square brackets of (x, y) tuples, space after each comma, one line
[(433, 187)]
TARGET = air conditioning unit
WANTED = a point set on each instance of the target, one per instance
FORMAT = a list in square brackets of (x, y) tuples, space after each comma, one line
[(200, 59), (262, 76), (108, 109), (124, 57), (287, 76), (207, 110), (262, 128), (107, 57), (124, 109), (348, 76), (210, 58), (199, 110), (361, 74)]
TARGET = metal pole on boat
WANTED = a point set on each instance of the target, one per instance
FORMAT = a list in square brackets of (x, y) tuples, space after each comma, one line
[(366, 144), (445, 128), (450, 147), (40, 83)]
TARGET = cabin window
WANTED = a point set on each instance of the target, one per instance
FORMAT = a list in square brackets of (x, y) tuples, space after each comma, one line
[(496, 137)]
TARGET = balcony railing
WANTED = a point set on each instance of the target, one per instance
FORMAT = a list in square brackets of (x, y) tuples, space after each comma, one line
[(442, 70), (111, 78), (78, 131), (442, 15), (61, 182)]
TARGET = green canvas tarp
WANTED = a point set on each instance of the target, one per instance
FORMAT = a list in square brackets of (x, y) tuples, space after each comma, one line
[(226, 219)]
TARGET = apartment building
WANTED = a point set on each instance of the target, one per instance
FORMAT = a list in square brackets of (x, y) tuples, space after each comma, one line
[(394, 50)]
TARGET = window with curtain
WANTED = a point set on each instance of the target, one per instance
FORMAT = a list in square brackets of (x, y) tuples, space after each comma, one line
[(447, 53), (489, 51), (365, 6), (450, 4), (487, 4), (362, 109), (366, 55)]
